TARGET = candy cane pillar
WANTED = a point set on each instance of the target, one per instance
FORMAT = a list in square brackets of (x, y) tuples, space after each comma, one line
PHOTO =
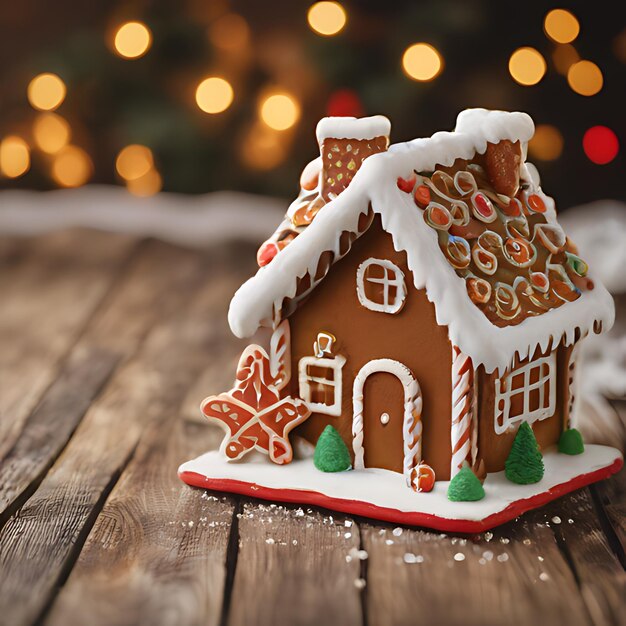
[(462, 408)]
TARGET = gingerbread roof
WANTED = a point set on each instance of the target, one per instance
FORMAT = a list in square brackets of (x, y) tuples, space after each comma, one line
[(453, 268)]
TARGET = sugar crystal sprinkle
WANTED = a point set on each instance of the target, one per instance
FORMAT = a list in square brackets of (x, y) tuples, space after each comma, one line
[(556, 519), (459, 556), (359, 583), (397, 531), (503, 557), (543, 576)]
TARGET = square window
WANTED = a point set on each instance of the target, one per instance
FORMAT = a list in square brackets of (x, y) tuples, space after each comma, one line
[(320, 382), (527, 394)]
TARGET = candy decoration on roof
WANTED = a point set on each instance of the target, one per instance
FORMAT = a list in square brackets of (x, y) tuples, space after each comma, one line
[(253, 414)]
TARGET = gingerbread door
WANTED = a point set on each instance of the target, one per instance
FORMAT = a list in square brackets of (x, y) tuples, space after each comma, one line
[(386, 425)]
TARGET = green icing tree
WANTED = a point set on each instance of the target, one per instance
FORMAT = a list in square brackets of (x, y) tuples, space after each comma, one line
[(331, 453), (465, 487), (571, 442), (524, 464)]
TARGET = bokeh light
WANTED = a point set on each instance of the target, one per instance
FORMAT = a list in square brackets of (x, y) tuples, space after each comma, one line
[(327, 18), (229, 32), (546, 144), (14, 156), (563, 57), (527, 66), (134, 161), (422, 62), (214, 95), (46, 92), (132, 40), (51, 132), (600, 145), (147, 185), (585, 78), (262, 148), (71, 167), (279, 111), (561, 26)]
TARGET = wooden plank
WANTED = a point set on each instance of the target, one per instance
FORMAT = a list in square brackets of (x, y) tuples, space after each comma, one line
[(611, 497), (574, 520), (40, 543), (157, 552), (113, 334), (513, 575), (296, 566), (49, 288)]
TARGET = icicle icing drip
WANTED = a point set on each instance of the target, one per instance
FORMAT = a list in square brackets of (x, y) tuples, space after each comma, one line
[(462, 392)]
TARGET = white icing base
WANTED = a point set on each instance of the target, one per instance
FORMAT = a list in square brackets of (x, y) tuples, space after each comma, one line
[(388, 490)]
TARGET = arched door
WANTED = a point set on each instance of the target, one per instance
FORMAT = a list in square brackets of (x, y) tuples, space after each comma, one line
[(371, 415)]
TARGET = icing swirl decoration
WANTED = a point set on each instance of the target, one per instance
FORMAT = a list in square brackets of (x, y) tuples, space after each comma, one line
[(507, 302), (457, 251), (519, 252), (485, 261), (437, 216)]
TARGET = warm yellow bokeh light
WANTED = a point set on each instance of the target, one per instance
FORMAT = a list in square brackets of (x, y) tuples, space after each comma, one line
[(71, 167), (422, 62), (46, 92), (132, 40), (564, 56), (327, 18), (546, 144), (280, 111), (14, 156), (51, 132), (585, 78), (527, 66), (214, 95), (263, 148), (561, 26), (134, 161), (146, 185), (229, 32)]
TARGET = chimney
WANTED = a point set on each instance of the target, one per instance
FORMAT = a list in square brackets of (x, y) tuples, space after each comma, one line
[(345, 142)]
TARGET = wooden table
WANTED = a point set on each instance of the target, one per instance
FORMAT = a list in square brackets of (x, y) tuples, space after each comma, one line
[(108, 344)]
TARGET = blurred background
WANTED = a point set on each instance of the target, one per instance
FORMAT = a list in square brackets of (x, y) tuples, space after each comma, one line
[(194, 96)]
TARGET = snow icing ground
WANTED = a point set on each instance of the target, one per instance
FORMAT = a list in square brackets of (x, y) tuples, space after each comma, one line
[(384, 495)]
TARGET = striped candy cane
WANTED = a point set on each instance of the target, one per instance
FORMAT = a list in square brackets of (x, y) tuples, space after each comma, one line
[(462, 396)]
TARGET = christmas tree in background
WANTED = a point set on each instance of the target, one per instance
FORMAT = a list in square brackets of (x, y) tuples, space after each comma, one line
[(209, 95)]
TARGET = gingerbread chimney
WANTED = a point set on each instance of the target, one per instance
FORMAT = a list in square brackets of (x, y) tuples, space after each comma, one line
[(345, 142)]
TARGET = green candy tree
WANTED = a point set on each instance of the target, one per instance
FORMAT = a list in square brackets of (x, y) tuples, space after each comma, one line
[(331, 453), (524, 464), (465, 487), (571, 442)]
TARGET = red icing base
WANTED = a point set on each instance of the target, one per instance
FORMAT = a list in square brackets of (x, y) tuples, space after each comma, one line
[(366, 509)]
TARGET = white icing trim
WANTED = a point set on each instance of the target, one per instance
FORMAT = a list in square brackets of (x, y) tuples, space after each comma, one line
[(304, 381), (397, 281), (358, 128), (375, 184), (462, 409), (280, 355), (412, 418), (503, 420)]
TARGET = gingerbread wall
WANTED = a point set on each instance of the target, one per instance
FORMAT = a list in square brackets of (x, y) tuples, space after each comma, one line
[(411, 337), (494, 448)]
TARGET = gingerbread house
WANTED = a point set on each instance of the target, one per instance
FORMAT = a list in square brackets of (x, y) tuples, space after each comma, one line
[(421, 299), (439, 277)]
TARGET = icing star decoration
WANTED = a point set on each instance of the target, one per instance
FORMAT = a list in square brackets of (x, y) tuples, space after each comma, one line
[(253, 414)]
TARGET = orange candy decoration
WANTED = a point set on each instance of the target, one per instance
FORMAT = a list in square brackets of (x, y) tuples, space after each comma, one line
[(422, 195), (536, 203), (423, 478)]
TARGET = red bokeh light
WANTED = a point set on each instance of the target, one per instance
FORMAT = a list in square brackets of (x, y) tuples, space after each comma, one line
[(600, 145), (344, 103)]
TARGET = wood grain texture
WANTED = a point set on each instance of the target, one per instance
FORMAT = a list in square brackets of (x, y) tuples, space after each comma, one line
[(50, 288), (157, 552), (292, 568), (41, 541), (602, 580), (513, 575), (112, 334)]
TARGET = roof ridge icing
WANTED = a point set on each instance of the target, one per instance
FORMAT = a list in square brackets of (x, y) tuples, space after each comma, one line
[(256, 302)]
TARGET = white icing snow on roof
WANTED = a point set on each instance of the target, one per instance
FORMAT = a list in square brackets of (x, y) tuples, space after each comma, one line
[(258, 299), (353, 127)]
